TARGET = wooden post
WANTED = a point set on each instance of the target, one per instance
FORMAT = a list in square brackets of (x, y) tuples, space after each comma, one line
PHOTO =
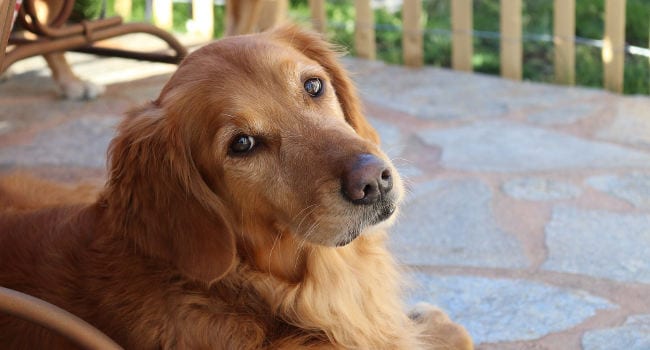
[(462, 48), (412, 33), (564, 28), (614, 45), (203, 18), (364, 30), (162, 14), (511, 46), (318, 15), (123, 8), (6, 18)]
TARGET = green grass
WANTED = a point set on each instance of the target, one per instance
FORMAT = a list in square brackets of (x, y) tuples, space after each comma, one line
[(537, 18)]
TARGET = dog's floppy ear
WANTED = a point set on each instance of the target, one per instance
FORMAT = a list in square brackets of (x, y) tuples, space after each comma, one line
[(157, 199), (312, 45)]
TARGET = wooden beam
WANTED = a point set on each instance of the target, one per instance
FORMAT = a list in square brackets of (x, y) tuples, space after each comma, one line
[(412, 33), (364, 30), (511, 46), (564, 28), (614, 45), (318, 15), (462, 48)]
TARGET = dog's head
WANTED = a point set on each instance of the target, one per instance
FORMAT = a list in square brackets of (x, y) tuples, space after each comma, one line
[(255, 135)]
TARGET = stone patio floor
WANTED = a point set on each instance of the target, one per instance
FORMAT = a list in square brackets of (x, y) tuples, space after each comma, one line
[(528, 214)]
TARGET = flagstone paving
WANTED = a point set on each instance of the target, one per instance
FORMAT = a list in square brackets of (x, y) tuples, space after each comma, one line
[(633, 335), (527, 216), (443, 216)]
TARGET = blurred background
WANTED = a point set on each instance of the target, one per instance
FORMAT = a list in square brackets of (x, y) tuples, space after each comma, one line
[(537, 34)]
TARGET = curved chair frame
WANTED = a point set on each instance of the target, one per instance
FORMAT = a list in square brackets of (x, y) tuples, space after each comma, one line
[(54, 318), (58, 35)]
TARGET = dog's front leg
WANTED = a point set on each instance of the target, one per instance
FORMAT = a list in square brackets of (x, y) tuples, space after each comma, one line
[(438, 331), (71, 86)]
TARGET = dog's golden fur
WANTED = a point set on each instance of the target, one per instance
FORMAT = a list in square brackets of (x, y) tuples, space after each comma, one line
[(190, 246)]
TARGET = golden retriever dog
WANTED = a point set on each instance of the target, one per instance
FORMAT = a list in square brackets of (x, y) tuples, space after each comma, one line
[(245, 208)]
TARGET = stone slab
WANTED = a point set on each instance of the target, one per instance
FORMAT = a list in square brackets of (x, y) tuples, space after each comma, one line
[(563, 115), (81, 142), (444, 95), (632, 123), (426, 93), (634, 187), (450, 222), (599, 243), (633, 335), (540, 189), (502, 146), (4, 127), (527, 96), (504, 310), (393, 143)]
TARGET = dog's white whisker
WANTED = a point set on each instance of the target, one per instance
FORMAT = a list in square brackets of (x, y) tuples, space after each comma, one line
[(308, 210), (275, 241)]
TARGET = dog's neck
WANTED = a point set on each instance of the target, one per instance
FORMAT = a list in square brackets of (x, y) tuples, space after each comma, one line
[(336, 291), (274, 250)]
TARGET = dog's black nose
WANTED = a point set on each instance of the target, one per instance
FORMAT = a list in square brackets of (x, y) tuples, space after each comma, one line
[(366, 180)]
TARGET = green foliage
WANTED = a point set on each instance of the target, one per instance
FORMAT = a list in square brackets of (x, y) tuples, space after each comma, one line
[(85, 9), (590, 18), (637, 24), (486, 15), (637, 75), (589, 66), (486, 50), (181, 12), (340, 23), (389, 40), (219, 21)]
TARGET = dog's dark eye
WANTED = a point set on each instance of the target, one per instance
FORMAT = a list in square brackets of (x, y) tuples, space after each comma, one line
[(242, 144), (314, 87)]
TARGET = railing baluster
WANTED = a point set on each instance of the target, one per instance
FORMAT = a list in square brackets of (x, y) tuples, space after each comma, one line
[(614, 45), (462, 48), (123, 8), (364, 30), (511, 47), (564, 27), (162, 14), (412, 33), (203, 18)]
